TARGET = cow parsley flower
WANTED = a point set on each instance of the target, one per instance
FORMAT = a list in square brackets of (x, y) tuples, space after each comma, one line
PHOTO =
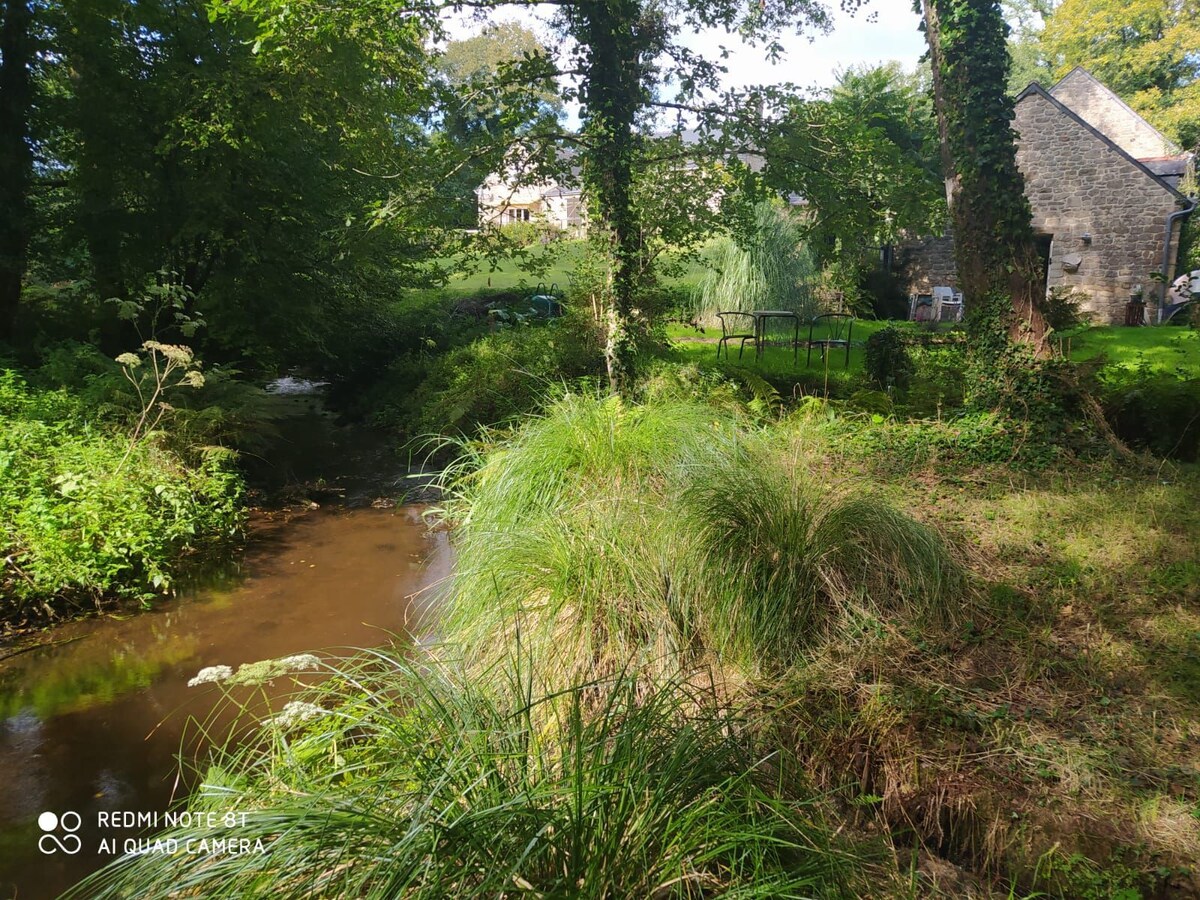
[(210, 675)]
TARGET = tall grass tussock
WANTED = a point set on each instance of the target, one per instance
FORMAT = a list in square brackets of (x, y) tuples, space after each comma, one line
[(671, 535), (418, 782)]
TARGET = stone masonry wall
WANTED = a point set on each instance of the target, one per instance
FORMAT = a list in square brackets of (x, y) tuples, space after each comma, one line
[(1104, 111), (929, 263), (1078, 185)]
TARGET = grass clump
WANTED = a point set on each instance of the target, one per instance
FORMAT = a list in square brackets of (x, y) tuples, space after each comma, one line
[(772, 270), (421, 783), (668, 533), (561, 533), (780, 561)]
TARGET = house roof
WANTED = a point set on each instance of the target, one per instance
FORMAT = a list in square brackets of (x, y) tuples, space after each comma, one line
[(1036, 89), (1113, 103)]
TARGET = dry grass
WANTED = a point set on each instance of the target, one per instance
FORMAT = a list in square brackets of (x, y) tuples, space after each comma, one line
[(1051, 740)]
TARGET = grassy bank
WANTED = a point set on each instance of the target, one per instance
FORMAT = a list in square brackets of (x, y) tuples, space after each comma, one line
[(979, 677), (90, 511)]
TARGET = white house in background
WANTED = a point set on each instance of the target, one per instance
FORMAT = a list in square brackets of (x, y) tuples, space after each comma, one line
[(547, 203), (557, 206)]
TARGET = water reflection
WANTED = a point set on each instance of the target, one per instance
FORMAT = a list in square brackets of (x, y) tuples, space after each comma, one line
[(95, 722)]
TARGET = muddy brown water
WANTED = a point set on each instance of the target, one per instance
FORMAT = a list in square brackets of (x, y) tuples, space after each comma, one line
[(95, 722)]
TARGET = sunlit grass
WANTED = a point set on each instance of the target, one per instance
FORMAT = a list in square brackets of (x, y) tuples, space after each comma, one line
[(417, 782), (668, 534)]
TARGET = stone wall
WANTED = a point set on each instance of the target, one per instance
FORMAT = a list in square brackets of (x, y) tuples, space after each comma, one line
[(928, 263), (1105, 214), (1108, 114)]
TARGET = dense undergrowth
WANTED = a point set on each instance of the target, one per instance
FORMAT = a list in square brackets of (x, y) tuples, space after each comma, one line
[(90, 511)]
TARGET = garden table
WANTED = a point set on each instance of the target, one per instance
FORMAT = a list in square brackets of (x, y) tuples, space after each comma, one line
[(761, 316)]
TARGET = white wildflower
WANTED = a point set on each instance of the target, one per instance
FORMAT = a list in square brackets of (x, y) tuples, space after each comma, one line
[(301, 662), (294, 712), (132, 360), (210, 675)]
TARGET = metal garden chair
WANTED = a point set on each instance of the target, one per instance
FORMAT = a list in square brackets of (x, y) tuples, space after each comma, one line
[(840, 327)]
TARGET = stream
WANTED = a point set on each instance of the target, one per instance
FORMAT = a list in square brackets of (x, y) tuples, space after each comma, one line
[(94, 721)]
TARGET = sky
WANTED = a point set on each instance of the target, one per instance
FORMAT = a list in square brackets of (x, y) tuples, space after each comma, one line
[(855, 40), (880, 31)]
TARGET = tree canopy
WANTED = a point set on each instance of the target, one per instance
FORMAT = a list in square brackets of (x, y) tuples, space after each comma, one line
[(1145, 50)]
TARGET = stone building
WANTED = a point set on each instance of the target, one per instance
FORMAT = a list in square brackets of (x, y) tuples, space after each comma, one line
[(1103, 185)]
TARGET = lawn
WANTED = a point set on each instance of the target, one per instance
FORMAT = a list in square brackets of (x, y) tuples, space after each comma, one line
[(562, 258), (1165, 349)]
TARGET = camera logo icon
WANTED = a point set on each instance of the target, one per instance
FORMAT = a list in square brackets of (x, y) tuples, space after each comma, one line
[(51, 824)]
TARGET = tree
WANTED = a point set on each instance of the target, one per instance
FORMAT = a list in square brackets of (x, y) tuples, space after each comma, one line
[(496, 88), (995, 255), (168, 153), (623, 52), (1145, 50), (866, 158), (1029, 63), (17, 48)]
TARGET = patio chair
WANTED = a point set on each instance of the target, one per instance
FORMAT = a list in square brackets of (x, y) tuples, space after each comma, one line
[(729, 333), (840, 326)]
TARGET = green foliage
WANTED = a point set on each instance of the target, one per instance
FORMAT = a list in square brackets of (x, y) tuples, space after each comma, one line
[(939, 380), (887, 359), (995, 255), (864, 157), (497, 376), (1148, 60), (474, 788), (770, 268), (780, 562), (1025, 48), (1156, 411), (86, 513), (1063, 308), (886, 290), (660, 533), (182, 149)]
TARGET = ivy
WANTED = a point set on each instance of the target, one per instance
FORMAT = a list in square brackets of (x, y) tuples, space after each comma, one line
[(995, 254)]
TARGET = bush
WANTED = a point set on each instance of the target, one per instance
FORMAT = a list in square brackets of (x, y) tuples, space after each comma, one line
[(85, 513), (887, 292), (1063, 308), (1160, 413), (888, 362), (500, 375)]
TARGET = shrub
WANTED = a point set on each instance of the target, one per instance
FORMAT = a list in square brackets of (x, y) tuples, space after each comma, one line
[(85, 513), (886, 290), (1063, 308), (1158, 412), (502, 375), (888, 362)]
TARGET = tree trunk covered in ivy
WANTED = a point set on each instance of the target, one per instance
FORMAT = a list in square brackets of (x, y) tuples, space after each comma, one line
[(611, 37), (16, 154), (995, 254)]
